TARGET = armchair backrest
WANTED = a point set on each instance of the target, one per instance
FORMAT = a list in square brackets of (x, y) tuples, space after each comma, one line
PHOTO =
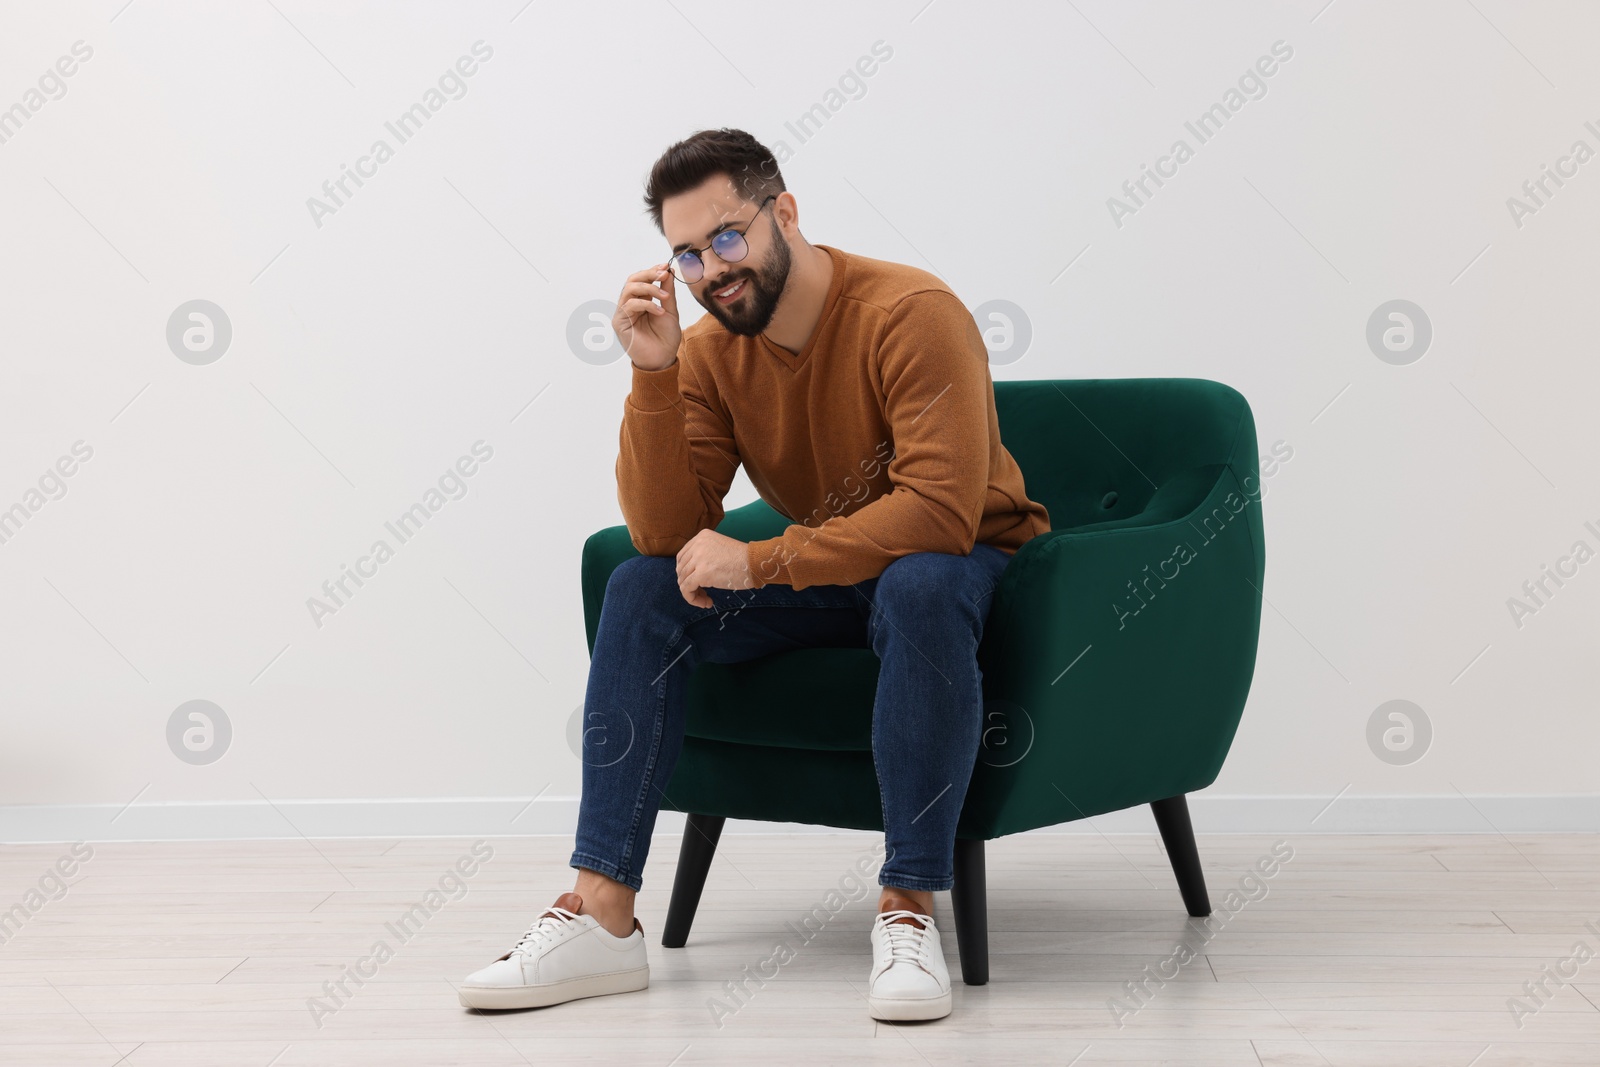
[(1079, 440)]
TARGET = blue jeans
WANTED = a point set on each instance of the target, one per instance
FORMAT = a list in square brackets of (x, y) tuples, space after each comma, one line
[(924, 617)]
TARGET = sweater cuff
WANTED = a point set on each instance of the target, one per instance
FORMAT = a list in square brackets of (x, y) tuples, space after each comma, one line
[(656, 390), (768, 562)]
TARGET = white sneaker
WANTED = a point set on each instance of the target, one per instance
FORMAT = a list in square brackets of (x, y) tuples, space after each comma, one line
[(562, 956), (909, 979)]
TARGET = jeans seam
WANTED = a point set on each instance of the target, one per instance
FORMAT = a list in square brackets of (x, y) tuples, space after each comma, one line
[(602, 866), (655, 745), (883, 807), (655, 738), (925, 885)]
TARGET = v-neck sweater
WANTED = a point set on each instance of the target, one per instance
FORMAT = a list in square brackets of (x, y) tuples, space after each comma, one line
[(876, 440)]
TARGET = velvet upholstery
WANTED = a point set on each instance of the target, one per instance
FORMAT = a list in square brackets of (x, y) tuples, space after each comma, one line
[(1116, 665)]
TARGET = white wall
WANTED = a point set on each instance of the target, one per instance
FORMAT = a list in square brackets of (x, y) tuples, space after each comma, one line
[(433, 310)]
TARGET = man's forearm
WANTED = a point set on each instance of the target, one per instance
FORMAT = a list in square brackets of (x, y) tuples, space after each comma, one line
[(659, 492), (846, 549)]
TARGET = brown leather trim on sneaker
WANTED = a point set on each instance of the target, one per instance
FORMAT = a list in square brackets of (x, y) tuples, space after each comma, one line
[(899, 903)]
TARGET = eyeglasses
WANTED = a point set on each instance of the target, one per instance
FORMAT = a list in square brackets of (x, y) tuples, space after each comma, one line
[(729, 245)]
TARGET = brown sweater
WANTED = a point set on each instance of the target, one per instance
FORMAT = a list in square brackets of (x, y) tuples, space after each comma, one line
[(878, 440)]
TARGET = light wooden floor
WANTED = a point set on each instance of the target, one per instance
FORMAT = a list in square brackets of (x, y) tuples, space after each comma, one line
[(1366, 950)]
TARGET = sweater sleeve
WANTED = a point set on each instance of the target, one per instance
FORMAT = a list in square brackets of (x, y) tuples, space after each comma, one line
[(933, 371), (675, 461)]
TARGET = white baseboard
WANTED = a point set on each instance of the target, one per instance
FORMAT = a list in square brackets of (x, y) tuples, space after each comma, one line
[(516, 816)]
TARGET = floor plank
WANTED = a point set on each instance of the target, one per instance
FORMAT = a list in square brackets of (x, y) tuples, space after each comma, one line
[(1360, 949)]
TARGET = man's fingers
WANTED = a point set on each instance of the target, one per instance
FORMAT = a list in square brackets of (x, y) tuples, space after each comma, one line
[(645, 289), (648, 274), (636, 306), (694, 594), (691, 581), (692, 576)]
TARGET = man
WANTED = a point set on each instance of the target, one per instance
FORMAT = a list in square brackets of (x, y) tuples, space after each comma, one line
[(856, 392)]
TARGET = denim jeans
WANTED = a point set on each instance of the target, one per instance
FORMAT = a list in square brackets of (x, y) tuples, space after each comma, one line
[(923, 616)]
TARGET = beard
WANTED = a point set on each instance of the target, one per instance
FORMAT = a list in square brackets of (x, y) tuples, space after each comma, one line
[(752, 311)]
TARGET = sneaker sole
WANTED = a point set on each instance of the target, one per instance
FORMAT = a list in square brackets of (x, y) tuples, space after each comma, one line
[(895, 1010), (543, 996)]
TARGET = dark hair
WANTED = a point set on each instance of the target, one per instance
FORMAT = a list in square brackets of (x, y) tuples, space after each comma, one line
[(745, 160)]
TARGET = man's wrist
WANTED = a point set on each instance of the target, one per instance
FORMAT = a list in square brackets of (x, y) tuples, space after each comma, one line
[(652, 370)]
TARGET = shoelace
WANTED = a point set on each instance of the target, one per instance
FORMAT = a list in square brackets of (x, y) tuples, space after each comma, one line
[(907, 941), (545, 927)]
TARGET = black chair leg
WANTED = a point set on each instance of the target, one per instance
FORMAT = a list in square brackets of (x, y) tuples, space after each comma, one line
[(700, 836), (1177, 833), (969, 897)]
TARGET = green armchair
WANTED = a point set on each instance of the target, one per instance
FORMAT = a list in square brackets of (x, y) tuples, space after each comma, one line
[(1117, 656)]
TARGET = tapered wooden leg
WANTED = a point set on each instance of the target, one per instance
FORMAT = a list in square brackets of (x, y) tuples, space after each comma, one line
[(700, 836), (1177, 833), (969, 897)]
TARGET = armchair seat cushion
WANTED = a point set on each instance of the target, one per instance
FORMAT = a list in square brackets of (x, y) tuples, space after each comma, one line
[(814, 698), (821, 698)]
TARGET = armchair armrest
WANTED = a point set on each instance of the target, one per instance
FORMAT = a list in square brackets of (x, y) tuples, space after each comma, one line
[(1175, 498), (607, 548), (1118, 656)]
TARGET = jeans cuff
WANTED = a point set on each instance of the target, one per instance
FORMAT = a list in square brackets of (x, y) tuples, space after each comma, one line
[(926, 885), (610, 870)]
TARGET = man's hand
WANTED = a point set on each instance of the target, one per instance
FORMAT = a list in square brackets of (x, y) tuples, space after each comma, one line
[(712, 560), (649, 332)]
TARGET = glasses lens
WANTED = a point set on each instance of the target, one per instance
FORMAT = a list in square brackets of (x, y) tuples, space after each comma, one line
[(687, 267), (729, 246)]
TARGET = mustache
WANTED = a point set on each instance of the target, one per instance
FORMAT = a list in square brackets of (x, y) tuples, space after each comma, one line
[(730, 281)]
